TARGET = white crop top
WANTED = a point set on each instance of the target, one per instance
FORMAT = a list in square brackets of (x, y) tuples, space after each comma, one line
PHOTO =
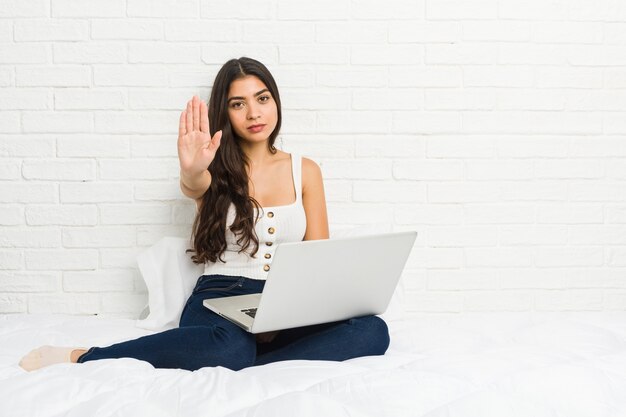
[(275, 225)]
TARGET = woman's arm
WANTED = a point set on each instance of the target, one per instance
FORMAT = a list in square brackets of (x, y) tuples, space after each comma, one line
[(195, 187), (314, 201)]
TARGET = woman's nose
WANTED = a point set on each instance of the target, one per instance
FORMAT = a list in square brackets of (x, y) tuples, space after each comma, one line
[(253, 112)]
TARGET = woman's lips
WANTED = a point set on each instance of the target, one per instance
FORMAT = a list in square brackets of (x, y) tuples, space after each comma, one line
[(256, 128)]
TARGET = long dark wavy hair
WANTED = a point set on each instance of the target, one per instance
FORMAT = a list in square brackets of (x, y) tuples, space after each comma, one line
[(229, 179)]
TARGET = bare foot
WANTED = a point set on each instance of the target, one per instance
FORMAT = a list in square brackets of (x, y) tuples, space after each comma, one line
[(49, 355)]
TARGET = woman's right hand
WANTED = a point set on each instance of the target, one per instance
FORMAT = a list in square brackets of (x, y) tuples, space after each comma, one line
[(196, 148)]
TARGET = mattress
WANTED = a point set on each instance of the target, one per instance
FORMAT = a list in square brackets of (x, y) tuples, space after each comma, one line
[(471, 364)]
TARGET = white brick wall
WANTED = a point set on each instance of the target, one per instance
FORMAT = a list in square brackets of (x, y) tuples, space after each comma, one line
[(495, 128)]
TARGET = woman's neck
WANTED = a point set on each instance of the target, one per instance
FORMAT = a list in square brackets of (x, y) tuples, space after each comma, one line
[(257, 153)]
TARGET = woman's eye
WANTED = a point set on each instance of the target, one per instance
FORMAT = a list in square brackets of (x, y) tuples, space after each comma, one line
[(263, 99), (236, 105)]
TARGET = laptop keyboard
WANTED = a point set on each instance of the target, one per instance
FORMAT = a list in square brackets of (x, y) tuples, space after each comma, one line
[(249, 311)]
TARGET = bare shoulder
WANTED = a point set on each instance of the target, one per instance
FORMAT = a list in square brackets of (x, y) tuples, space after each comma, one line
[(282, 156), (311, 172), (310, 165)]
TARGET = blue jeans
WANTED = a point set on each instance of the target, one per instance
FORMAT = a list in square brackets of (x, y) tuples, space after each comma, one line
[(203, 338)]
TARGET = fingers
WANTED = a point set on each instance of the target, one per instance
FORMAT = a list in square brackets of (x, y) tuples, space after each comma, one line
[(204, 117), (215, 142), (196, 112), (189, 120), (182, 124), (196, 117)]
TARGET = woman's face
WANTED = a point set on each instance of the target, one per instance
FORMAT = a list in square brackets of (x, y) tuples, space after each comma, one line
[(251, 108)]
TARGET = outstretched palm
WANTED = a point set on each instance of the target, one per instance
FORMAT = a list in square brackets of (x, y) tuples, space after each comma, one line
[(196, 148)]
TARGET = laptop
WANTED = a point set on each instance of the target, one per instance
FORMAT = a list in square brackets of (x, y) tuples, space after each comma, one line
[(322, 281)]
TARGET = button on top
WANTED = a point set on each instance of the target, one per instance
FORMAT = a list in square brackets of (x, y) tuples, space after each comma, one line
[(271, 230), (268, 255), (266, 268), (269, 243), (270, 214)]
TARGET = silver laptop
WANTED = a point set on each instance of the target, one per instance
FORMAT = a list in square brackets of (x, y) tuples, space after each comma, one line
[(321, 281)]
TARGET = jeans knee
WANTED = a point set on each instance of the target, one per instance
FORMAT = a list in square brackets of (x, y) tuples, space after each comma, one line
[(376, 333), (242, 358), (239, 351), (223, 347)]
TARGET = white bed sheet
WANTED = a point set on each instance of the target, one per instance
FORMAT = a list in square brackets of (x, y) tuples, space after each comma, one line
[(477, 364)]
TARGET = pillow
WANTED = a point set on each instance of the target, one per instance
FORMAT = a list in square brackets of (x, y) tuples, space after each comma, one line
[(170, 276)]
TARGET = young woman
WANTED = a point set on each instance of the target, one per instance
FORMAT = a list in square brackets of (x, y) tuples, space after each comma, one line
[(250, 198)]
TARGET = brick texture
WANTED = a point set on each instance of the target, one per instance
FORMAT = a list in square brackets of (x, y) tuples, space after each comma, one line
[(495, 128)]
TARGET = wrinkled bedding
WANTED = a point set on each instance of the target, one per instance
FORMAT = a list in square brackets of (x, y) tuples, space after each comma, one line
[(475, 364)]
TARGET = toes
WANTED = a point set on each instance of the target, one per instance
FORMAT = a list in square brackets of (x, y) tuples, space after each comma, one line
[(31, 361), (45, 356)]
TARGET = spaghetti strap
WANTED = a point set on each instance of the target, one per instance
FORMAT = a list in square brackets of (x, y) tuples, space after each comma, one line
[(296, 167)]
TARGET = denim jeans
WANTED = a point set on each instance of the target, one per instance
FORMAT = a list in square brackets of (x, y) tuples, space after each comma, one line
[(203, 338)]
